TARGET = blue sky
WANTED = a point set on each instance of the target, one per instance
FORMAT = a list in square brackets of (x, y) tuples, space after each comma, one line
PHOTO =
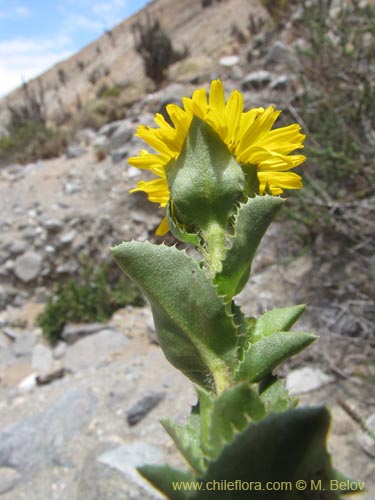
[(35, 34)]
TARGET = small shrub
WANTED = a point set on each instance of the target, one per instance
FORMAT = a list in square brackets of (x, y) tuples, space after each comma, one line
[(156, 49), (92, 298)]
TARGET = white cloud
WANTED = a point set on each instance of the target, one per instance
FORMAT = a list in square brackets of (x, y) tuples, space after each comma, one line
[(111, 12), (22, 59), (14, 11)]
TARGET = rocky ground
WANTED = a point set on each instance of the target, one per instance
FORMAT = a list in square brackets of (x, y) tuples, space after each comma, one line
[(77, 418)]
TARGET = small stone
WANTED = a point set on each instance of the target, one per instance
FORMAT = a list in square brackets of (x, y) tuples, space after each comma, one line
[(143, 407), (306, 379), (47, 378), (28, 266), (53, 225), (119, 154), (75, 151), (279, 53), (24, 343), (28, 383), (3, 297), (256, 80), (279, 83), (11, 334), (71, 188), (18, 247), (73, 332), (229, 61), (67, 238), (133, 172), (123, 134), (8, 479), (5, 255)]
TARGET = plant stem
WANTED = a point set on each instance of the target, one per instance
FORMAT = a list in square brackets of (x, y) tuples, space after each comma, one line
[(214, 236)]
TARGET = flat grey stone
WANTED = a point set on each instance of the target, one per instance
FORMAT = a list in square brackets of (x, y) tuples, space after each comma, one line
[(75, 151), (73, 332), (127, 457), (123, 134), (306, 379), (28, 266), (93, 350), (38, 441)]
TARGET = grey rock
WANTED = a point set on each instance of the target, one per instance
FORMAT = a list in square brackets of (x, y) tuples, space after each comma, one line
[(94, 350), (38, 441), (8, 479), (28, 383), (279, 82), (256, 80), (42, 358), (68, 237), (23, 345), (366, 440), (119, 154), (75, 151), (108, 129), (127, 457), (279, 53), (73, 332), (18, 247), (306, 379), (53, 225), (32, 232), (123, 134), (60, 350), (28, 266), (143, 407), (47, 378), (71, 188), (11, 334)]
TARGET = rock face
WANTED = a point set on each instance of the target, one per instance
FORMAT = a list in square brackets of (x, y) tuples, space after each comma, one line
[(40, 439)]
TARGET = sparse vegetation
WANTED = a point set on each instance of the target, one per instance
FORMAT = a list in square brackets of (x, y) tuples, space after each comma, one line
[(337, 112), (94, 297), (28, 137), (156, 49)]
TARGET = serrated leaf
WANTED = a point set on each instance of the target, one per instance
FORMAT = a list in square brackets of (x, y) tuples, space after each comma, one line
[(275, 396), (178, 231), (187, 440), (193, 328), (263, 356), (164, 478), (280, 319), (281, 448), (226, 415), (251, 222)]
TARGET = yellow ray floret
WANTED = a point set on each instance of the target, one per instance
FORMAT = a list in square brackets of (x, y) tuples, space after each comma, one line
[(247, 135)]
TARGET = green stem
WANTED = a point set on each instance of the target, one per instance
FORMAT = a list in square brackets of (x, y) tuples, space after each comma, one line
[(214, 236)]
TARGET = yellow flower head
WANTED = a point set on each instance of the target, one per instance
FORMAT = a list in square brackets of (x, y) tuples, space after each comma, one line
[(247, 135)]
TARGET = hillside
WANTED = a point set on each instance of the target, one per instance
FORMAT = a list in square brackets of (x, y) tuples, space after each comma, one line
[(206, 32)]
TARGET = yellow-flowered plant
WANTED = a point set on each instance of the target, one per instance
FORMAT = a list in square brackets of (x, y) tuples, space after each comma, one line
[(220, 172)]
